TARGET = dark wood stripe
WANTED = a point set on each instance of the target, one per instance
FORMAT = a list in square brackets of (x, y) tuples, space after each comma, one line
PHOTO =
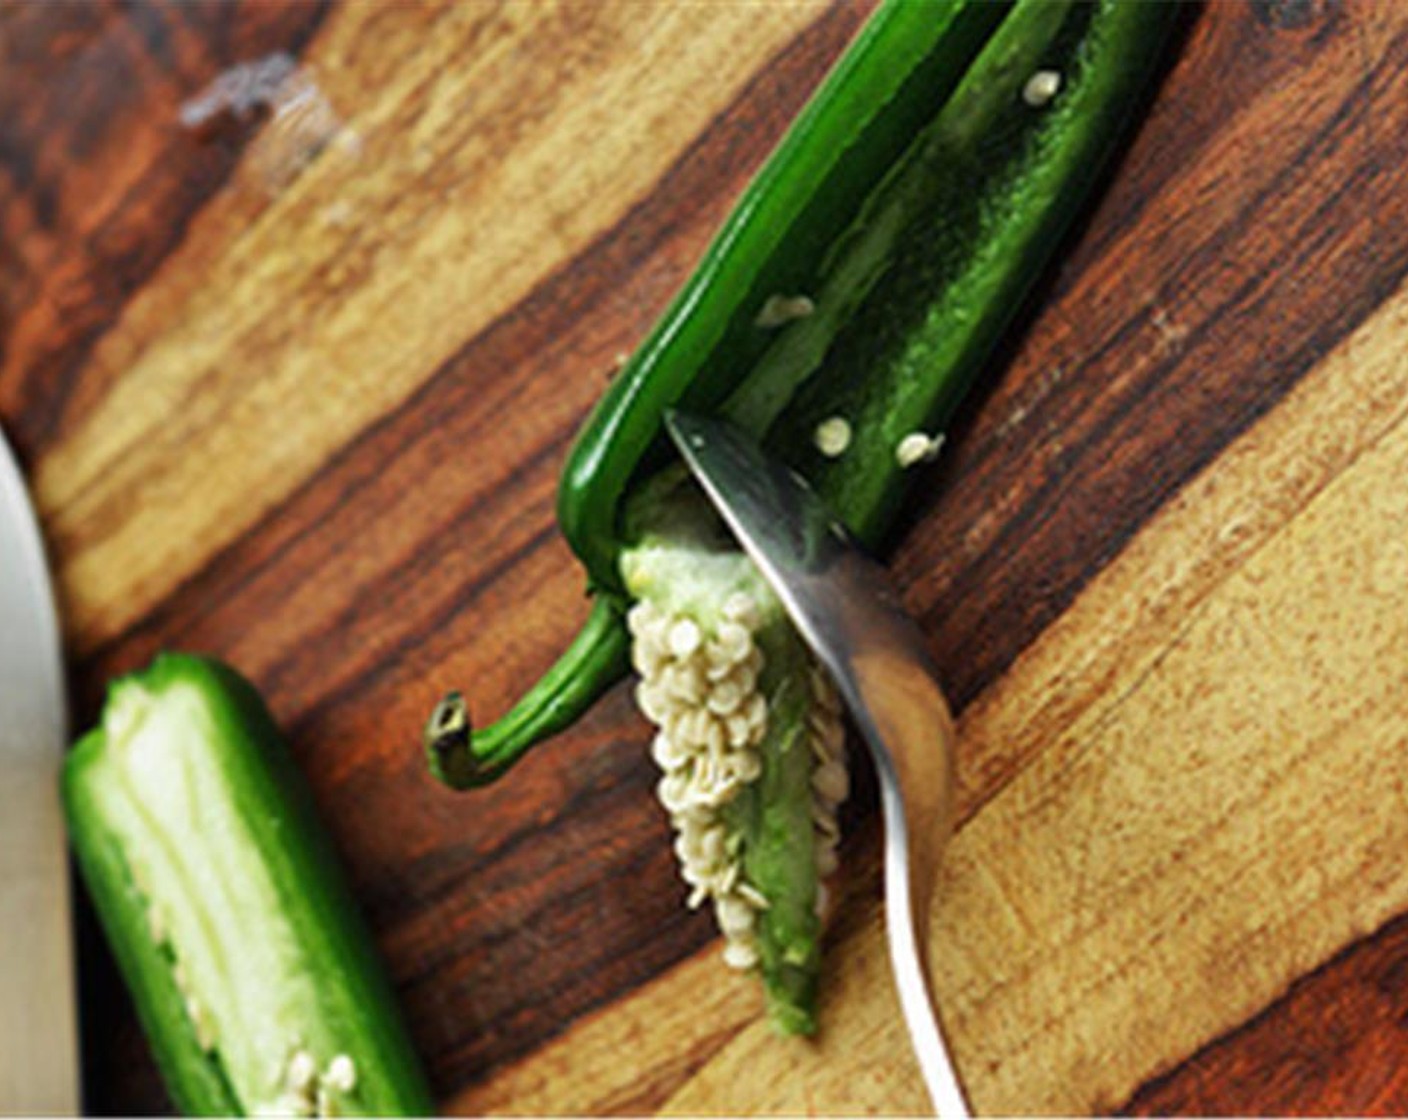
[(1336, 1044), (635, 888)]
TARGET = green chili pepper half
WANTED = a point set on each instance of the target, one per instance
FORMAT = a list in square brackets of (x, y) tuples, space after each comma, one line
[(914, 202), (253, 974), (852, 296)]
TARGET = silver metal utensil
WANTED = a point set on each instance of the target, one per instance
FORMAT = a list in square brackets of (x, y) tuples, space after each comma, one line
[(38, 1046), (843, 605)]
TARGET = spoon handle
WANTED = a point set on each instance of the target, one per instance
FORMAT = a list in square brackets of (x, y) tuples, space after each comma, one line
[(904, 922)]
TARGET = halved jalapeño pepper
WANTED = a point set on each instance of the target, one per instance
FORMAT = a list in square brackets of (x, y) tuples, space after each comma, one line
[(253, 973), (858, 287)]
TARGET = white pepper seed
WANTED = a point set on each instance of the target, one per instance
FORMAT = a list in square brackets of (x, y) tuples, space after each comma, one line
[(651, 701), (687, 851), (647, 659), (824, 821), (640, 617), (1041, 87), (740, 732), (734, 914), (735, 640), (745, 680), (751, 895), (666, 753), (301, 1073), (831, 782), (673, 791), (917, 448), (741, 955), (832, 436), (341, 1076), (716, 737), (684, 637), (780, 309), (711, 845), (749, 767), (755, 711), (728, 879), (742, 608), (725, 696)]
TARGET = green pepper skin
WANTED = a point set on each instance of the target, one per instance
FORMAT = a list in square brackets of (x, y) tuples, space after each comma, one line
[(776, 826), (904, 63), (995, 184), (914, 283), (917, 199), (256, 816), (195, 1083)]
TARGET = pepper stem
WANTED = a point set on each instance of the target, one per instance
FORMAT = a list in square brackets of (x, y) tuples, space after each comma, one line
[(598, 657)]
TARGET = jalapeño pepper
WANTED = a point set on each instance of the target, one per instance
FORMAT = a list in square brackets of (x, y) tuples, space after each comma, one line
[(839, 316), (253, 974), (858, 286)]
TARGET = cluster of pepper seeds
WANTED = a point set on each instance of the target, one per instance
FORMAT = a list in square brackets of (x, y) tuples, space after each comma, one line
[(308, 1092), (700, 689)]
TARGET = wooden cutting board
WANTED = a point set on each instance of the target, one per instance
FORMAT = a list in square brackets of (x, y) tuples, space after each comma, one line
[(294, 385)]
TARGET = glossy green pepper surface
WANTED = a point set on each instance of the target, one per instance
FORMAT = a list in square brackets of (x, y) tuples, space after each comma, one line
[(253, 973), (909, 210)]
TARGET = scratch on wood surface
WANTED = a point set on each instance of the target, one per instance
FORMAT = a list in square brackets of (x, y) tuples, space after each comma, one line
[(302, 121)]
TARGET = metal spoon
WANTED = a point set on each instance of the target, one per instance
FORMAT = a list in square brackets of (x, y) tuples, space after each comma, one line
[(843, 605)]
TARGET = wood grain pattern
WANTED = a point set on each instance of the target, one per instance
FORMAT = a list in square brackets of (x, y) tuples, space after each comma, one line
[(97, 187), (319, 287), (1335, 1043), (314, 427)]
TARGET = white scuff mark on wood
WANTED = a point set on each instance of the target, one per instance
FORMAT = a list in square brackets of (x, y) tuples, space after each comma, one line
[(1172, 335), (243, 90), (1047, 382), (301, 120)]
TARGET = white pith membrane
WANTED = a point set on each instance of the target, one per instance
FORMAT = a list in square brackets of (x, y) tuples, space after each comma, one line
[(699, 686), (307, 1090)]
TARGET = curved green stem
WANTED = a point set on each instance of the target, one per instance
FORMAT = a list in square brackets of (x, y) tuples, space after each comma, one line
[(463, 758)]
